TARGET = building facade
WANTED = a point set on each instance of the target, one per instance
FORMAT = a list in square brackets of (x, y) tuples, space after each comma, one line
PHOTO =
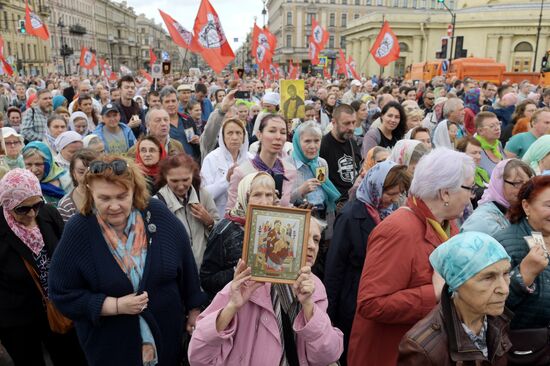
[(290, 21), (152, 35), (26, 54), (505, 30)]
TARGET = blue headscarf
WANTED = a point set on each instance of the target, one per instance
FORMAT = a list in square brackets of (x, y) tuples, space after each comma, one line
[(330, 190), (465, 255), (371, 189), (52, 171), (58, 101), (471, 100)]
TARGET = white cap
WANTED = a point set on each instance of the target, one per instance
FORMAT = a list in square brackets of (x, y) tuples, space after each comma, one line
[(355, 83), (271, 98), (66, 138), (8, 131)]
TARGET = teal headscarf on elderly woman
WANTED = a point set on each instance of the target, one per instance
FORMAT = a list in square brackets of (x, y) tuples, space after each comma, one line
[(536, 152), (465, 255), (328, 187)]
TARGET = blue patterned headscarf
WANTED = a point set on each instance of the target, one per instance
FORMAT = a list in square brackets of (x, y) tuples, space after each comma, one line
[(371, 189), (465, 255), (471, 100)]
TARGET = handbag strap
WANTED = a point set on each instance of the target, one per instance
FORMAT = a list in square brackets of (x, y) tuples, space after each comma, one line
[(34, 276)]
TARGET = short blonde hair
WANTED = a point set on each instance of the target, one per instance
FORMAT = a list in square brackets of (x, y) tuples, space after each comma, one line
[(132, 178), (263, 180)]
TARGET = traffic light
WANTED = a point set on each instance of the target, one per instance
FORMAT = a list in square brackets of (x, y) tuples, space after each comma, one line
[(440, 1), (22, 26), (443, 52), (460, 52)]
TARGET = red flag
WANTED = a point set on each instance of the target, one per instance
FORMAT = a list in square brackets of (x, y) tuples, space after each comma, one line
[(292, 71), (341, 62), (181, 36), (263, 46), (34, 25), (146, 75), (87, 59), (350, 69), (152, 57), (274, 71), (216, 50), (326, 73), (236, 75), (317, 41), (386, 48), (6, 67), (107, 70)]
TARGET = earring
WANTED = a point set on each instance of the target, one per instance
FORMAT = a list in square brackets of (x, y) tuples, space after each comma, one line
[(446, 204)]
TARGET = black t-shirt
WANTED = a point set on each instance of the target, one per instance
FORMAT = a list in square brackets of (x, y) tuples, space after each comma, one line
[(343, 159), (387, 143)]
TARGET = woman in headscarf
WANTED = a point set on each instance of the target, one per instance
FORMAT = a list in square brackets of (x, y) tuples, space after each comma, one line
[(488, 129), (268, 324), (491, 215), (54, 180), (219, 164), (377, 197), (408, 153), (224, 247), (149, 153), (94, 142), (538, 155), (56, 125), (472, 103), (375, 155), (59, 101), (78, 122), (29, 233), (67, 144), (470, 324), (444, 134), (472, 147), (309, 186)]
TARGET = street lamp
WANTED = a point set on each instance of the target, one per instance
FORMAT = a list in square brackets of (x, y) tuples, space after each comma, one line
[(63, 48), (453, 15), (538, 36)]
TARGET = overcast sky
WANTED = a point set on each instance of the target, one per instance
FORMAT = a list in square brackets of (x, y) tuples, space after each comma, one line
[(236, 16)]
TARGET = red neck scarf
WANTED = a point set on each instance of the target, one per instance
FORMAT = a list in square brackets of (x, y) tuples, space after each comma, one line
[(151, 171)]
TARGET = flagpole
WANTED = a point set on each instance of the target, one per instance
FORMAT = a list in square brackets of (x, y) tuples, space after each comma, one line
[(183, 60)]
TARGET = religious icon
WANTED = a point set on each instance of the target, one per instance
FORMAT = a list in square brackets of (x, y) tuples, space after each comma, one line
[(292, 99), (275, 242), (321, 174)]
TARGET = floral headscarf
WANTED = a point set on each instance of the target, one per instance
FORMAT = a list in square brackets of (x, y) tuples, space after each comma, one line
[(15, 187), (370, 190), (471, 100), (403, 151), (495, 190)]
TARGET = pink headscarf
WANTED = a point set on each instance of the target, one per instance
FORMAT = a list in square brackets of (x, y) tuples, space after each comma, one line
[(16, 186), (495, 190)]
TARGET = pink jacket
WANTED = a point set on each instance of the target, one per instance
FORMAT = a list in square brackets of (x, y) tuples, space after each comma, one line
[(247, 168), (252, 337)]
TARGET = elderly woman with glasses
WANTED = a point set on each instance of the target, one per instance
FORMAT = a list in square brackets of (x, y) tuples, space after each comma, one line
[(488, 134), (124, 270), (470, 324), (29, 233), (398, 286)]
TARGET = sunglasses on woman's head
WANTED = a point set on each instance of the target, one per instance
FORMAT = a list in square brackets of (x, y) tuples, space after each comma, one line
[(23, 210), (118, 167)]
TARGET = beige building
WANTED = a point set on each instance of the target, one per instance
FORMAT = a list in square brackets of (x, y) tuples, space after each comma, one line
[(27, 54), (151, 34), (290, 21), (71, 26), (505, 30)]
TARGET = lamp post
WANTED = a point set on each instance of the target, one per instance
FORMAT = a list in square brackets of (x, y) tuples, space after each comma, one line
[(538, 36), (63, 49), (264, 10), (453, 22)]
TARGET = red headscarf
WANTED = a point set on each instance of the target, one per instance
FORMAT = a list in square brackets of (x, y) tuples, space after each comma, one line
[(151, 171)]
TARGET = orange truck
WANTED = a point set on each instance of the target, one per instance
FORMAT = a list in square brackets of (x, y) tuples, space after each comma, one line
[(480, 69)]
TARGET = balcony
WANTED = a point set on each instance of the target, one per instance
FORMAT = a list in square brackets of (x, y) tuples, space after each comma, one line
[(66, 51), (44, 10), (77, 29)]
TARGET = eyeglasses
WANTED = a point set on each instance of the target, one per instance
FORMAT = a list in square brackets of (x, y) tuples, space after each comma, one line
[(514, 184), (118, 167), (12, 143), (23, 210), (472, 189)]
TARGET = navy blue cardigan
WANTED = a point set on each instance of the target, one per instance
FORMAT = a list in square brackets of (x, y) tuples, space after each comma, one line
[(83, 273)]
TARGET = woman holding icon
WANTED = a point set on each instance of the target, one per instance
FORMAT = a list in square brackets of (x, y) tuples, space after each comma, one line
[(288, 323)]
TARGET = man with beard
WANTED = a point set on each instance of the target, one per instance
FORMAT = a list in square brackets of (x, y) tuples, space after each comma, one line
[(340, 151), (35, 120)]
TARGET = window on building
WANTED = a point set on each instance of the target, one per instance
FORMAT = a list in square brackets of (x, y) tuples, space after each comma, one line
[(29, 51), (415, 4), (331, 20), (396, 3), (403, 47), (357, 2), (356, 16), (342, 42), (452, 4), (344, 21), (309, 18), (35, 52), (331, 42), (405, 3), (289, 41), (6, 21), (523, 47), (333, 1), (289, 18), (344, 2), (9, 49), (521, 64), (379, 2), (369, 2)]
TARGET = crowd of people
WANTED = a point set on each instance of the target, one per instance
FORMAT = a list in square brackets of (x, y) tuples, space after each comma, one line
[(124, 208)]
